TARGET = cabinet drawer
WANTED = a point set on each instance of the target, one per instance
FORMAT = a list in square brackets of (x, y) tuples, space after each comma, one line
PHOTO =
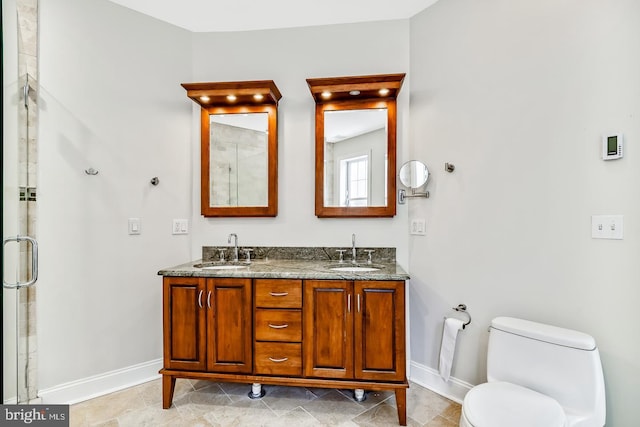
[(278, 293), (278, 359), (278, 325)]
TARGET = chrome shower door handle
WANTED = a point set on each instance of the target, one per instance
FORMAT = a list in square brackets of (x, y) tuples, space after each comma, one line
[(34, 262)]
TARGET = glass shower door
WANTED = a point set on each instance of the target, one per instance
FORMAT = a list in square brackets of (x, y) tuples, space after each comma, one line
[(19, 251)]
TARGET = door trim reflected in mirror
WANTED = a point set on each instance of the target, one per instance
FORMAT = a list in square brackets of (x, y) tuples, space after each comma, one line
[(245, 97), (355, 93)]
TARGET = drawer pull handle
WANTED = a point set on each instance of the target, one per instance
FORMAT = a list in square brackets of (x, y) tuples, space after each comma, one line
[(278, 326), (284, 359), (278, 294)]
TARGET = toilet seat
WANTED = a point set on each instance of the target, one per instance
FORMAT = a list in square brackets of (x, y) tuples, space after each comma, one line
[(501, 404)]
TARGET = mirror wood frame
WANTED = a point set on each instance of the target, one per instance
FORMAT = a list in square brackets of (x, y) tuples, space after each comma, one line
[(216, 102), (341, 98)]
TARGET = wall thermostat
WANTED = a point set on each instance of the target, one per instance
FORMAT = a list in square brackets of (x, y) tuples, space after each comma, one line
[(612, 147)]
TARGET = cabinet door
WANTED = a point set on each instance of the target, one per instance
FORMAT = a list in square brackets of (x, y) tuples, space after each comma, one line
[(229, 339), (184, 328), (380, 330), (328, 326)]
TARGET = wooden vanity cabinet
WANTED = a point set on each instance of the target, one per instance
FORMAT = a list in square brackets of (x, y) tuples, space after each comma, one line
[(308, 333), (354, 330), (207, 324)]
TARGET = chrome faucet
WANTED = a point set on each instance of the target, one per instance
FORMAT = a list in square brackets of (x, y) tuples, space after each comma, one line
[(235, 246), (353, 247)]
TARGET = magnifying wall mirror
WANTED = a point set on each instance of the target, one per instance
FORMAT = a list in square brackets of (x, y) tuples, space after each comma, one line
[(356, 145), (413, 175), (239, 140)]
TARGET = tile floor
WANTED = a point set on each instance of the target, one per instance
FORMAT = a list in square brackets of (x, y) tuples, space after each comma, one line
[(210, 404)]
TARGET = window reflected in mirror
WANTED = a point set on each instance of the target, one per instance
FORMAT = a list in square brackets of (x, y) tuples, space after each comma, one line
[(355, 157)]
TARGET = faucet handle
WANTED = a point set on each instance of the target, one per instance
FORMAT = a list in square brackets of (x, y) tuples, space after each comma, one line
[(341, 251), (248, 254), (369, 252), (221, 254)]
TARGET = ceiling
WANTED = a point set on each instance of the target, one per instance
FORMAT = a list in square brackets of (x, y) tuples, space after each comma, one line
[(245, 15)]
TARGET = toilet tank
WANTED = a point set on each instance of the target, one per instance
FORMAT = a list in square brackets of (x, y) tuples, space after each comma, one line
[(560, 363)]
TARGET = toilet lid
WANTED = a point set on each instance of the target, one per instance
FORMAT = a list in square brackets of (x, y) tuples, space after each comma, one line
[(500, 404)]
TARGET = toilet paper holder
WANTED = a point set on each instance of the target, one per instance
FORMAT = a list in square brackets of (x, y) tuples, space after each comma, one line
[(462, 308)]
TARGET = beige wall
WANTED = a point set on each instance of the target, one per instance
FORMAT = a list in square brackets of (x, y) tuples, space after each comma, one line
[(289, 57), (110, 99), (517, 95)]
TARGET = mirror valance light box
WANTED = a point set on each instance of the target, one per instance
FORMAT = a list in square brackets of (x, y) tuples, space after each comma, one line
[(239, 147)]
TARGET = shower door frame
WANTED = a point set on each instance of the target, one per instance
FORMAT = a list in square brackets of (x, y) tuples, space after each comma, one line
[(19, 250)]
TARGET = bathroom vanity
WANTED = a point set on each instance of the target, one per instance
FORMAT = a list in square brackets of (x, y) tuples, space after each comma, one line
[(290, 316)]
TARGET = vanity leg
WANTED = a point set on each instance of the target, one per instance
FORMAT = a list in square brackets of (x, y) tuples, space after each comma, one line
[(401, 403), (257, 391), (168, 385)]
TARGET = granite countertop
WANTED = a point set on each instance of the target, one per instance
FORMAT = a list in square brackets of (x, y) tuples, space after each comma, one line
[(274, 267)]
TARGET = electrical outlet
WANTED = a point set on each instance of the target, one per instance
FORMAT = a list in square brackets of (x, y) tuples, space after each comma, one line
[(180, 226), (418, 226)]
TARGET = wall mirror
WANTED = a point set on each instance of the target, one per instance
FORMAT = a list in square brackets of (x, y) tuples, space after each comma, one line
[(413, 175), (239, 147), (355, 145)]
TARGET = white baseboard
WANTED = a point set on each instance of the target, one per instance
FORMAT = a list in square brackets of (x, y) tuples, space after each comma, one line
[(14, 401), (109, 382), (99, 385), (427, 377)]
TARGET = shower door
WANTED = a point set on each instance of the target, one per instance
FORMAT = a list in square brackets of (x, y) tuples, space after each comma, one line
[(19, 251)]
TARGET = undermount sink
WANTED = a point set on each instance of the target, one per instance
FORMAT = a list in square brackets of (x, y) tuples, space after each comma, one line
[(354, 269), (224, 267), (218, 266)]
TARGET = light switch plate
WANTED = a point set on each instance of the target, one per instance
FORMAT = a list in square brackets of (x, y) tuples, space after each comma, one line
[(418, 226), (607, 227), (135, 226)]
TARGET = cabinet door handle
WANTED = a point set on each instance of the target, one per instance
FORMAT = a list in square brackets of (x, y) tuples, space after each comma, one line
[(358, 303), (278, 294), (200, 298), (284, 359), (209, 299), (349, 303), (278, 326)]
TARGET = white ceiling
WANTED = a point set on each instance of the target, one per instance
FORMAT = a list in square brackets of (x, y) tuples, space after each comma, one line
[(243, 15)]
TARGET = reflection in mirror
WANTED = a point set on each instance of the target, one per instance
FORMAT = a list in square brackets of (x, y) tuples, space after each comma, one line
[(238, 159), (414, 174), (355, 157)]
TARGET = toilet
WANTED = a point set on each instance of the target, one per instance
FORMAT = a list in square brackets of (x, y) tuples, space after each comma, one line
[(537, 376)]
